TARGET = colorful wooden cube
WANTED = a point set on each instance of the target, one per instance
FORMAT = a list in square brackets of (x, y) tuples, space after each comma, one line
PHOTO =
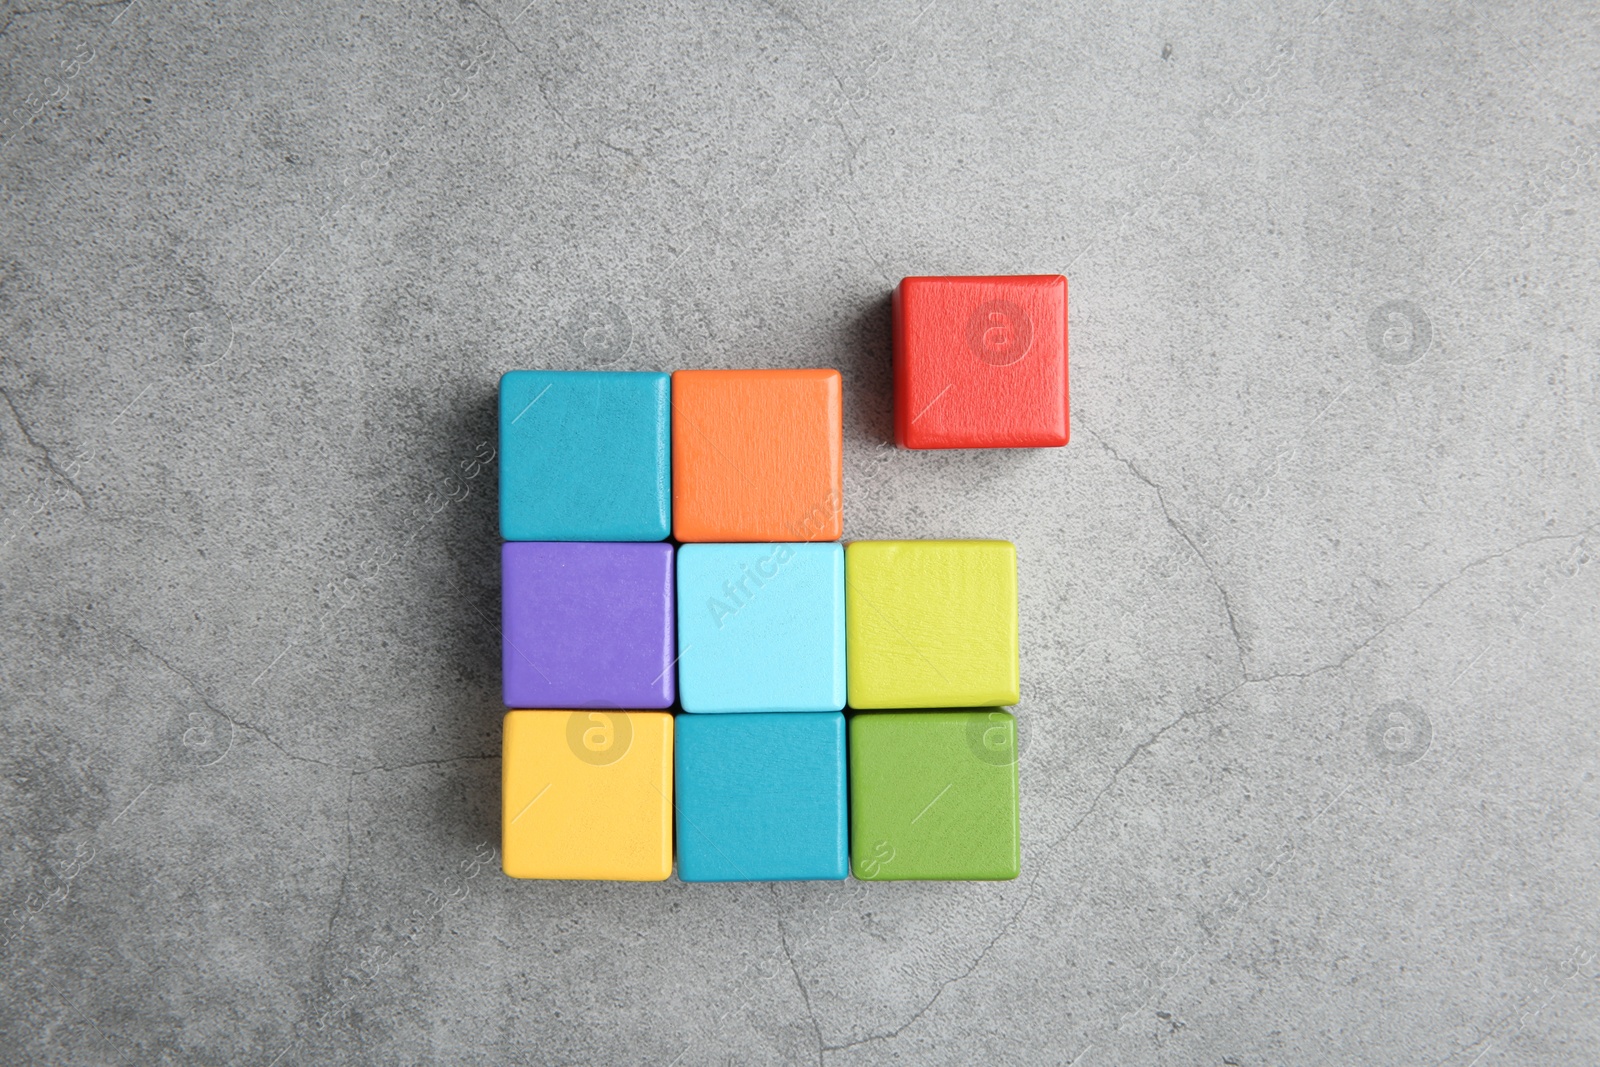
[(587, 624), (587, 794), (584, 456), (931, 624), (981, 362), (933, 795), (757, 455), (761, 797), (761, 627)]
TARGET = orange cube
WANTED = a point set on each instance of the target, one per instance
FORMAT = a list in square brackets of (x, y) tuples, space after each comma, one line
[(757, 455)]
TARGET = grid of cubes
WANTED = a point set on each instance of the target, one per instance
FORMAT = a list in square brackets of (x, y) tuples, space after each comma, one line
[(687, 696)]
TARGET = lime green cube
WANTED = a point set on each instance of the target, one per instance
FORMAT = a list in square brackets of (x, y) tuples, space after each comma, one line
[(931, 624), (933, 795)]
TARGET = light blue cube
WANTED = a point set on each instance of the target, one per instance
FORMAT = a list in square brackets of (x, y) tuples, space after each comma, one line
[(761, 627), (761, 797), (585, 456)]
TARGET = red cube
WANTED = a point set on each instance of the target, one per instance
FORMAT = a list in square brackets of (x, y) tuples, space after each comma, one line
[(981, 362)]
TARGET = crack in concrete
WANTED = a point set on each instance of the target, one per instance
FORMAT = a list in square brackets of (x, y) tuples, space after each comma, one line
[(344, 878), (824, 56), (206, 700), (378, 768), (1419, 605), (49, 459), (1161, 499), (1037, 865), (1345, 658), (492, 17), (861, 239), (1145, 746), (59, 8), (381, 769), (805, 994), (1005, 928), (561, 116)]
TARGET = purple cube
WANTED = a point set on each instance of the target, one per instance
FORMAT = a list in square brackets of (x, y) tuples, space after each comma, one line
[(587, 624)]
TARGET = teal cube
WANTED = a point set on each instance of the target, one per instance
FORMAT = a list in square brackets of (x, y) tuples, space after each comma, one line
[(760, 797), (585, 456), (761, 627)]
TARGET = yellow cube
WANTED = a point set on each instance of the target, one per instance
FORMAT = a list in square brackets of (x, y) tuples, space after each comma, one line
[(931, 624), (587, 794)]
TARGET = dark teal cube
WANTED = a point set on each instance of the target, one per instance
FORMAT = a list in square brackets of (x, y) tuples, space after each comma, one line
[(761, 797), (585, 456)]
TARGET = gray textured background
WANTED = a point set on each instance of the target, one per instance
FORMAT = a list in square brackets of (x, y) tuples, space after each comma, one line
[(1309, 604)]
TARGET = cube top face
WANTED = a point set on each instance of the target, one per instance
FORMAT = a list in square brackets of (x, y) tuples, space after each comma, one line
[(587, 794), (587, 625), (933, 795), (981, 362), (761, 797), (584, 456), (761, 627), (931, 624), (757, 455)]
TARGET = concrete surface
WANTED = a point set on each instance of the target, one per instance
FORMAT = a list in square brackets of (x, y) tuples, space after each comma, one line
[(1310, 606)]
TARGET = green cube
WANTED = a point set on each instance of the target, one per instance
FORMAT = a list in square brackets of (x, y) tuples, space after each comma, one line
[(933, 795)]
